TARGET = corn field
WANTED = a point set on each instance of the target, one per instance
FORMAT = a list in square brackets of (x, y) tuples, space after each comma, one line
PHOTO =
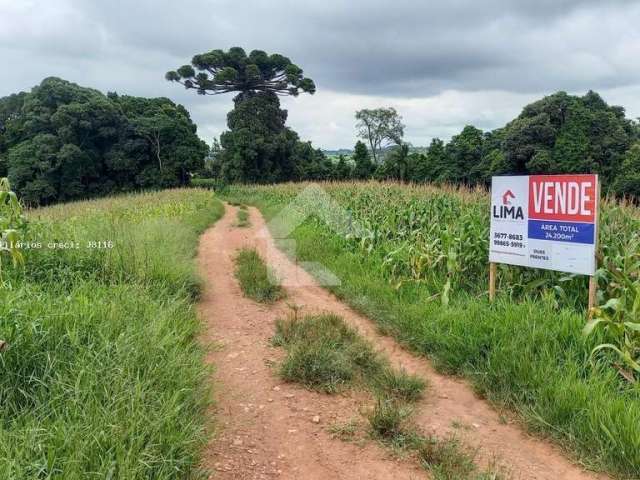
[(439, 237)]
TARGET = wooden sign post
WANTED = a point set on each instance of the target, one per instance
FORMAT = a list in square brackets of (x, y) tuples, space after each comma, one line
[(593, 282), (593, 287), (492, 281)]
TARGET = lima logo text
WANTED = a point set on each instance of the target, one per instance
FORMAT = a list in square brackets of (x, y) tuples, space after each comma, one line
[(506, 210)]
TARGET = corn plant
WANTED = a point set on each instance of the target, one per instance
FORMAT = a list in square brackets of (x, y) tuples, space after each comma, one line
[(619, 316), (12, 223)]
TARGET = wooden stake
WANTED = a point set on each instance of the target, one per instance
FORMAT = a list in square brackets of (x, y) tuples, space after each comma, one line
[(593, 286), (593, 283), (492, 281)]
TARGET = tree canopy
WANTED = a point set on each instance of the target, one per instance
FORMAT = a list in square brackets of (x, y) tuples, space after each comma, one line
[(258, 147), (217, 72), (62, 142), (363, 165), (380, 127), (627, 182), (568, 134)]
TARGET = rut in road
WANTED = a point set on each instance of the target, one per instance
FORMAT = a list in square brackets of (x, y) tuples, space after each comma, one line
[(269, 429)]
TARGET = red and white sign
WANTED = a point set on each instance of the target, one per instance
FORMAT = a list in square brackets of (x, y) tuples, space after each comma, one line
[(545, 221)]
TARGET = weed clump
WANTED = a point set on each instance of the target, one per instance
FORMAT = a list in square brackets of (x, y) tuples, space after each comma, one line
[(399, 384), (324, 353), (445, 458), (256, 280), (386, 419), (242, 218)]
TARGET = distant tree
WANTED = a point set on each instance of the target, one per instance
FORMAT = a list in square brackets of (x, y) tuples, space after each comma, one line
[(10, 109), (416, 166), (380, 127), (258, 146), (310, 163), (396, 165), (217, 72), (170, 136), (403, 162), (212, 161), (627, 181), (435, 163), (493, 160), (32, 168), (342, 169), (464, 153), (363, 166)]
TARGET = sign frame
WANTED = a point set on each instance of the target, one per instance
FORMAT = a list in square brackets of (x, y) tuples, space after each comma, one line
[(580, 221)]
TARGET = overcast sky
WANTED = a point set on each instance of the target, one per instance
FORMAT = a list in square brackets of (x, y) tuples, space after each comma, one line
[(442, 64)]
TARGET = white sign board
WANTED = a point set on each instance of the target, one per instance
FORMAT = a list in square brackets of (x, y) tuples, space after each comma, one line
[(545, 221)]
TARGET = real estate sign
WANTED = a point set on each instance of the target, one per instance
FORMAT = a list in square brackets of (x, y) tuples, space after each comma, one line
[(545, 221)]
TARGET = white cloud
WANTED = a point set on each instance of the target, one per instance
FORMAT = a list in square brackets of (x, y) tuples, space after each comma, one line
[(327, 118)]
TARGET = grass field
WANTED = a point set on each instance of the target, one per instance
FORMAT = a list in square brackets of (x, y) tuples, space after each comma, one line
[(104, 378), (421, 273)]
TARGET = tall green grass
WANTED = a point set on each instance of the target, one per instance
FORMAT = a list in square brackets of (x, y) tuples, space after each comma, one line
[(104, 377), (526, 352)]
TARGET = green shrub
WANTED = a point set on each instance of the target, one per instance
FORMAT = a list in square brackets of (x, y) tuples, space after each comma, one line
[(210, 183), (242, 218), (386, 419)]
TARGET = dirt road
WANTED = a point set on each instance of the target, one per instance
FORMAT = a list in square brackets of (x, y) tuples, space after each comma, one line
[(268, 429)]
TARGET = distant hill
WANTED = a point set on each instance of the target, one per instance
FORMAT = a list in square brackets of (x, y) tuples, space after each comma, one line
[(340, 151)]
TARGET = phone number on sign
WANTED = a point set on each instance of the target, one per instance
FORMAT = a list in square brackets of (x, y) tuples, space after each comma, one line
[(513, 240)]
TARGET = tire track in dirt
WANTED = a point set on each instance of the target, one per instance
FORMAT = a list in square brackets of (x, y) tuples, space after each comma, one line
[(265, 428)]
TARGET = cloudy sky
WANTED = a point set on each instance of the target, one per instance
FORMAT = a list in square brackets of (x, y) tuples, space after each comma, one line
[(442, 64)]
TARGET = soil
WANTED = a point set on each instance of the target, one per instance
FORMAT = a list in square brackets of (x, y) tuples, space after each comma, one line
[(265, 428)]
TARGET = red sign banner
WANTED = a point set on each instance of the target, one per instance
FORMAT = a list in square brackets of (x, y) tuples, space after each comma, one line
[(569, 198)]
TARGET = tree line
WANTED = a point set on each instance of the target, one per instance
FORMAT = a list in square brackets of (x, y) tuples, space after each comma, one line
[(560, 133), (63, 142)]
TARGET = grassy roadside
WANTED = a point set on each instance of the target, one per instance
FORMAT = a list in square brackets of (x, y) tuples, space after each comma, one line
[(528, 356), (104, 377)]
